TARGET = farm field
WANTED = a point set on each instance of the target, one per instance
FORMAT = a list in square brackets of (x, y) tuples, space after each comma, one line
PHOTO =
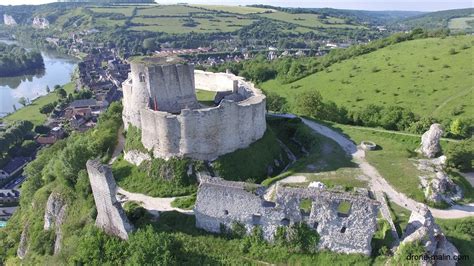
[(176, 24), (309, 20), (431, 77), (235, 9), (126, 11), (462, 24)]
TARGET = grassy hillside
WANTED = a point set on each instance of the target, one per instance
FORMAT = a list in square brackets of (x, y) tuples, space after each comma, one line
[(462, 24), (428, 76)]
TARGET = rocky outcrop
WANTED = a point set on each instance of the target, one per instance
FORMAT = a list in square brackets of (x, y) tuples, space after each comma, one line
[(437, 185), (23, 246), (422, 227), (430, 141), (9, 20), (54, 216), (136, 157), (110, 216), (40, 23)]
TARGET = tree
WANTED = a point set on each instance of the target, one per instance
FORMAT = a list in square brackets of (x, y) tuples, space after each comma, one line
[(61, 93), (461, 128), (309, 103), (47, 108), (275, 102), (48, 90), (22, 101), (460, 155)]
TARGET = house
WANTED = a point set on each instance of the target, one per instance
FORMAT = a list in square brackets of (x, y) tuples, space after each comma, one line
[(84, 103), (46, 140), (14, 166), (9, 195)]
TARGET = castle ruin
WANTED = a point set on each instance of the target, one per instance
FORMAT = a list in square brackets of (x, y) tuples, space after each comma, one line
[(221, 203), (160, 100), (110, 216)]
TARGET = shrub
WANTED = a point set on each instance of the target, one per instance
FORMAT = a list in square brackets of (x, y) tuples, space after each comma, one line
[(275, 102), (460, 155)]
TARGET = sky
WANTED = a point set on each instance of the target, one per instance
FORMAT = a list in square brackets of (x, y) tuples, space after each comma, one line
[(420, 5)]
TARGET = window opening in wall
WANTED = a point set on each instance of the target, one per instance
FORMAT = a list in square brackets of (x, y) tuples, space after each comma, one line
[(305, 206), (343, 229), (141, 77), (226, 212), (344, 208), (256, 219), (285, 222), (315, 225)]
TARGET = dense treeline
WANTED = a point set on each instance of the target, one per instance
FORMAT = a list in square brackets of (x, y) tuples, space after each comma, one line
[(12, 140), (436, 20), (15, 60)]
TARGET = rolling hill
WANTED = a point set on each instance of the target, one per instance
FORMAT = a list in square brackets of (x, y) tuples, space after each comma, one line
[(431, 77)]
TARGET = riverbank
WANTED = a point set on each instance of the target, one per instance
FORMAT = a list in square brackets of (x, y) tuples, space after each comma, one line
[(31, 112)]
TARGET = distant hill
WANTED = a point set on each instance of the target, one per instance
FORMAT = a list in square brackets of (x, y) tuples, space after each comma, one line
[(456, 19), (107, 1), (356, 16), (431, 77)]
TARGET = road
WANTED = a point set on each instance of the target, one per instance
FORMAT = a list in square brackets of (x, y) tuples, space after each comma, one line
[(378, 183), (153, 205)]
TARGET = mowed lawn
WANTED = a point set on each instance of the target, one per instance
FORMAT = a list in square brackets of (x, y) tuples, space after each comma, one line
[(421, 75), (31, 112)]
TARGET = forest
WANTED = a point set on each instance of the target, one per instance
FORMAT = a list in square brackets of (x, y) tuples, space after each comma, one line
[(15, 60)]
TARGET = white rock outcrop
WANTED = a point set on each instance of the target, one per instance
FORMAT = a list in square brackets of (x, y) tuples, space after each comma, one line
[(40, 23), (54, 215), (9, 20), (136, 157), (422, 227), (430, 141)]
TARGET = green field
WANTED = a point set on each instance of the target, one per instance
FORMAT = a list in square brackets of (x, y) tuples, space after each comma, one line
[(126, 11), (309, 20), (462, 24), (169, 10), (421, 75), (176, 24), (235, 9), (31, 112), (395, 160)]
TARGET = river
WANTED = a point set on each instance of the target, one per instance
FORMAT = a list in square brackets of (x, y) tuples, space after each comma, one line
[(58, 70)]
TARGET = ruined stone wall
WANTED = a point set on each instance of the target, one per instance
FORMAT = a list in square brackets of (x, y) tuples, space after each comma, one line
[(215, 81), (110, 216), (204, 134), (223, 203)]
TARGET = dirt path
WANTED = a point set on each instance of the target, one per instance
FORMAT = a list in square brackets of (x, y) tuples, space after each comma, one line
[(153, 205), (378, 183), (462, 93)]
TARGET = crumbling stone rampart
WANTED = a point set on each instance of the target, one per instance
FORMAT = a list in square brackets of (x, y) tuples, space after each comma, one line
[(222, 202), (54, 216), (110, 216)]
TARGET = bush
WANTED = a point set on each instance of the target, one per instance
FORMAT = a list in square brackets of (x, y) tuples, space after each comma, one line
[(275, 102), (460, 155), (43, 130)]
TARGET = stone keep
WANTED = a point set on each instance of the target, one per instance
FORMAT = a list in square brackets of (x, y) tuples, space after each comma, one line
[(110, 216), (159, 98)]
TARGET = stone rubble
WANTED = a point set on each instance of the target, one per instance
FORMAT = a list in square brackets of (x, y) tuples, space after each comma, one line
[(54, 215)]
